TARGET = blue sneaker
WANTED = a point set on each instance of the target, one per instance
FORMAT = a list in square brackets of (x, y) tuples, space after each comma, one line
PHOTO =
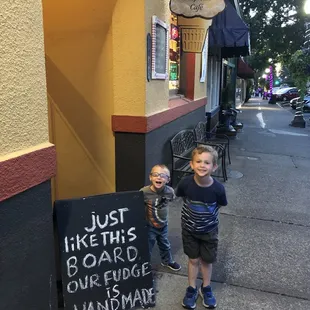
[(173, 266), (208, 299), (189, 300)]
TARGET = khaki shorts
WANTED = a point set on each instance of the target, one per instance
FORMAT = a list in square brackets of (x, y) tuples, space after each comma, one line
[(202, 246)]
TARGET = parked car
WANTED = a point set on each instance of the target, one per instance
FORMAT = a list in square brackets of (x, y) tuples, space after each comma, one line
[(293, 102), (286, 94)]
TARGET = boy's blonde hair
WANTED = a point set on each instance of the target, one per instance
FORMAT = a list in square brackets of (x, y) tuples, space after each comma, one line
[(206, 149), (162, 167)]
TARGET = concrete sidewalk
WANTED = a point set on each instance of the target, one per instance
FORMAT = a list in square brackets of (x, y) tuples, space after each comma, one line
[(264, 252)]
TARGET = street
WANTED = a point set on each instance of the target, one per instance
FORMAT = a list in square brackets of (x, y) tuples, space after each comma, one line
[(264, 249)]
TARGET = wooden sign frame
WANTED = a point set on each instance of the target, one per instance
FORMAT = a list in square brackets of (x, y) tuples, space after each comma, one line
[(159, 65)]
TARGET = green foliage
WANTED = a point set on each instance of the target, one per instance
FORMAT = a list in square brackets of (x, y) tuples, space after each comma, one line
[(298, 67), (264, 83), (249, 89), (276, 29)]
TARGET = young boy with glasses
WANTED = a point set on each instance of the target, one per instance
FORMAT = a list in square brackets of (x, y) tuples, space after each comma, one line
[(157, 195)]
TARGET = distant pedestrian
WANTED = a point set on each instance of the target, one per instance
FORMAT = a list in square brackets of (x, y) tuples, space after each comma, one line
[(202, 196), (157, 196)]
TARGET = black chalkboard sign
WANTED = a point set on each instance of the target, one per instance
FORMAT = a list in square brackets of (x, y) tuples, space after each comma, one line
[(104, 255), (159, 49)]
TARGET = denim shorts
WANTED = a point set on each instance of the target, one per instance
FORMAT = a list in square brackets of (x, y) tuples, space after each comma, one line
[(202, 246)]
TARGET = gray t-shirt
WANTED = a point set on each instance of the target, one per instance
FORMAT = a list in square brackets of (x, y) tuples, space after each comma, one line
[(157, 205)]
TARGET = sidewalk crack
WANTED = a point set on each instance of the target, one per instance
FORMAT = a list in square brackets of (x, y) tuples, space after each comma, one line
[(265, 220), (293, 161)]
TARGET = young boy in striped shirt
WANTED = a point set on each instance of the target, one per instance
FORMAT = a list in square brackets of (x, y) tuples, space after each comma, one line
[(202, 196)]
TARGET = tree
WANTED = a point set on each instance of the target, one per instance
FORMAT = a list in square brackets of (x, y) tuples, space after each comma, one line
[(298, 66), (276, 29), (299, 69)]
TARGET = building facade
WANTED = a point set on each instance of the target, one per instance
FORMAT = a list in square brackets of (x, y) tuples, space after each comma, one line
[(27, 162), (87, 109)]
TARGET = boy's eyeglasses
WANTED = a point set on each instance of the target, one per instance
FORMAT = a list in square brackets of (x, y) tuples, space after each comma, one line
[(162, 175)]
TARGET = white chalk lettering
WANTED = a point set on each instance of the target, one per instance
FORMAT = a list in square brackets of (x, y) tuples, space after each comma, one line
[(125, 273), (71, 266), (114, 304), (132, 253), (81, 240), (106, 237), (107, 278), (127, 299), (115, 238), (100, 306), (72, 244), (117, 253), (146, 269), (116, 291), (83, 284), (136, 298), (91, 306), (76, 308), (121, 211), (93, 261), (113, 218), (93, 241), (105, 256), (72, 287), (109, 304), (146, 297), (131, 234), (93, 281), (66, 245)]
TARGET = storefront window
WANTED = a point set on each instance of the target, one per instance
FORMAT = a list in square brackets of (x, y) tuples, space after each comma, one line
[(174, 54)]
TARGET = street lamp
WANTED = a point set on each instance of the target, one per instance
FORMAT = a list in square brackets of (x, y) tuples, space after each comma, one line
[(267, 70), (264, 76), (298, 120), (307, 7)]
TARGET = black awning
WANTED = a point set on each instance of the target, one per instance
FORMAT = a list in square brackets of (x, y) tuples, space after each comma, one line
[(244, 71), (230, 33)]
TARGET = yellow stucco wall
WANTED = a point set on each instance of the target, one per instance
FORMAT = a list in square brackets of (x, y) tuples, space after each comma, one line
[(96, 68), (129, 58), (157, 91), (23, 102), (79, 59)]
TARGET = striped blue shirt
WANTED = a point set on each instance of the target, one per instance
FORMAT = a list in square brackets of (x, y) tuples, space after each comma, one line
[(201, 205)]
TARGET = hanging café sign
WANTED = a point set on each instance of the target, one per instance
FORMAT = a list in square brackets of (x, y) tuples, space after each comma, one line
[(195, 17), (197, 8)]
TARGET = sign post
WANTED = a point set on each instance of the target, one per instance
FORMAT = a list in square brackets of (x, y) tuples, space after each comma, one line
[(105, 263)]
